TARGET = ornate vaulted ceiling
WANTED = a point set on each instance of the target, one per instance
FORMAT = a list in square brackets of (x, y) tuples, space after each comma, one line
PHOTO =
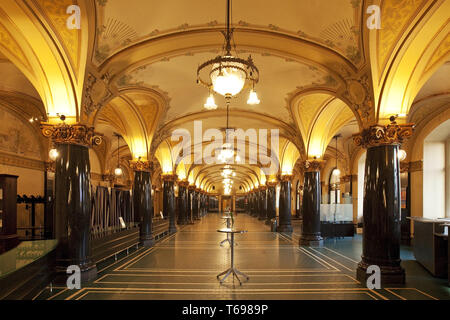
[(333, 24), (131, 69)]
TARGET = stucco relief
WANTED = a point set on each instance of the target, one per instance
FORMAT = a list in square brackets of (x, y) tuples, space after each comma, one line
[(16, 137)]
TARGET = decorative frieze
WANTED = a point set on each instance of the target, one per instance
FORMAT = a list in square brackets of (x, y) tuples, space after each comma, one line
[(78, 134), (18, 161), (411, 166), (378, 135)]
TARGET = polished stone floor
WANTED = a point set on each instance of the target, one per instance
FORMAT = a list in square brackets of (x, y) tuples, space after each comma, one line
[(185, 265)]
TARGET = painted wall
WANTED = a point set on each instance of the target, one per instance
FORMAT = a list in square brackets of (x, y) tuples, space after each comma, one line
[(30, 181)]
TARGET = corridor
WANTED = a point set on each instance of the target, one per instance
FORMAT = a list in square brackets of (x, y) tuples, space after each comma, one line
[(185, 264)]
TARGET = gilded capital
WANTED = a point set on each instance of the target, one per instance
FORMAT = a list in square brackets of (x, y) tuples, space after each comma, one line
[(183, 183), (286, 177), (379, 135), (50, 166), (313, 165), (139, 165), (78, 134), (169, 177), (272, 183)]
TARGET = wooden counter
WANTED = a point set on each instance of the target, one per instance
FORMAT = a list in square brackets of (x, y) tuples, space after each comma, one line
[(430, 245)]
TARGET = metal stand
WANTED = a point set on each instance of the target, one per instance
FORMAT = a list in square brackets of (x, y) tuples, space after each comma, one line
[(228, 237), (232, 269)]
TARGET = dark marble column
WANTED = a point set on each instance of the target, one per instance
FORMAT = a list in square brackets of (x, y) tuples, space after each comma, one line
[(142, 200), (381, 206), (285, 205), (73, 197), (255, 204), (202, 204), (196, 204), (190, 208), (183, 202), (262, 203), (271, 201), (252, 204), (169, 201), (311, 235)]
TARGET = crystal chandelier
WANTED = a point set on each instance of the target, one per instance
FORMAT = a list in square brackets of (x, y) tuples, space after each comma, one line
[(228, 171), (227, 75)]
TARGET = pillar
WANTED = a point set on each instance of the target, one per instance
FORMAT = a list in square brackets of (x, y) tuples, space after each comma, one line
[(190, 206), (183, 217), (271, 201), (262, 203), (73, 196), (285, 204), (196, 204), (142, 200), (169, 200), (381, 206), (311, 235), (254, 203), (202, 203)]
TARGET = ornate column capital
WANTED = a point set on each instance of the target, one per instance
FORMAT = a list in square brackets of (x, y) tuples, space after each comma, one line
[(313, 165), (78, 134), (198, 190), (346, 178), (271, 183), (191, 187), (169, 177), (50, 166), (108, 177), (286, 177), (183, 183), (140, 165), (379, 135), (262, 187)]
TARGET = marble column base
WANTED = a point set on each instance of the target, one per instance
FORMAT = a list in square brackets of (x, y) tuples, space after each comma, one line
[(284, 228), (390, 275), (88, 274), (172, 229), (311, 241), (148, 242)]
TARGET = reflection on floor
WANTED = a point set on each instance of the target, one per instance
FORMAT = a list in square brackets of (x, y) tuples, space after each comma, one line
[(185, 265)]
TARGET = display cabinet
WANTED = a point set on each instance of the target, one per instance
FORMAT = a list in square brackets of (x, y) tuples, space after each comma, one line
[(8, 212)]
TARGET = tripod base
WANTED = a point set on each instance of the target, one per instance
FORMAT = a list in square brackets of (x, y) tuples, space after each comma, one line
[(225, 240), (235, 273)]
